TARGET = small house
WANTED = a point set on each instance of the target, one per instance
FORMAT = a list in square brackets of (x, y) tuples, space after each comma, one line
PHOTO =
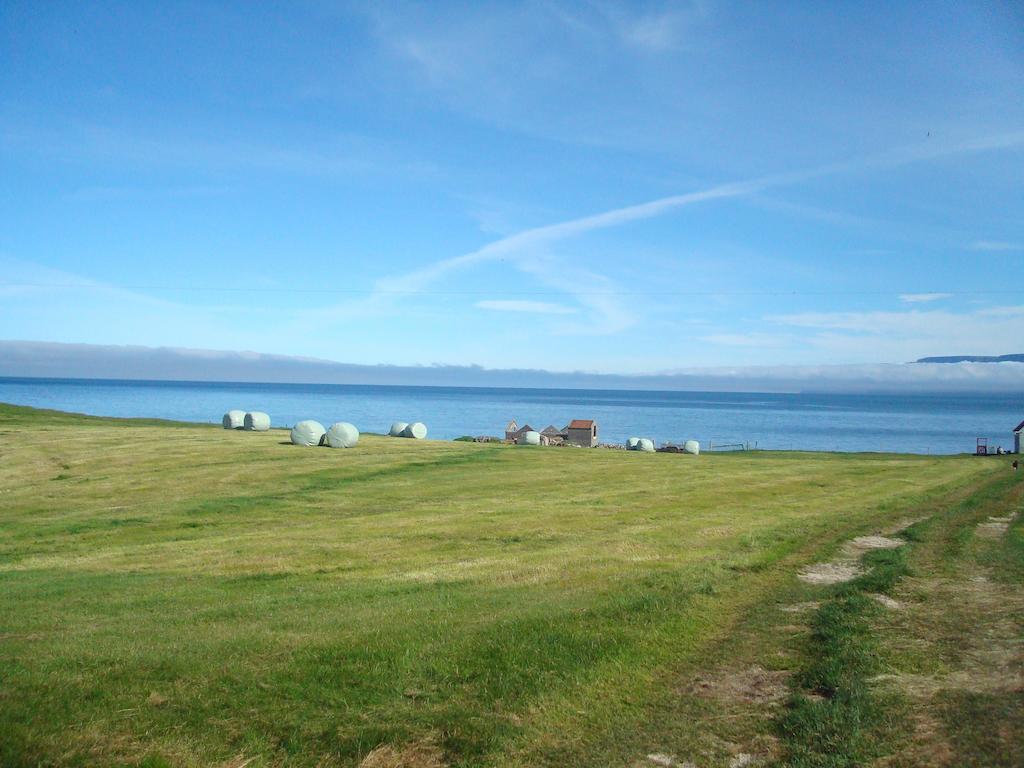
[(551, 435), (1017, 432), (582, 432)]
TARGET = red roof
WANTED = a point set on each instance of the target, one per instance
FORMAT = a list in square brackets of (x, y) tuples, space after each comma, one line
[(581, 424)]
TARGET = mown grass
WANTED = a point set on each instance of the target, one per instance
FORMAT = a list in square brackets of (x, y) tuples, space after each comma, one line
[(844, 722), (835, 727), (184, 595), (983, 719), (839, 717)]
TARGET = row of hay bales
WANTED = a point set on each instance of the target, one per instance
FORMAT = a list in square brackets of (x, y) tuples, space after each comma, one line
[(640, 444), (647, 446), (307, 432), (253, 421), (416, 430), (345, 435), (341, 434)]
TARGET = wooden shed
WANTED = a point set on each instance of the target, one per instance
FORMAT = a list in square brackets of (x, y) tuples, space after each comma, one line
[(551, 435), (582, 432)]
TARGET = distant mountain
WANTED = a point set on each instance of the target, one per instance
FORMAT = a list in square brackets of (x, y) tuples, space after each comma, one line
[(973, 359)]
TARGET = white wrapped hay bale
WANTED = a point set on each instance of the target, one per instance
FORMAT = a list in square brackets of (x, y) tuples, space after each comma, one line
[(692, 446), (257, 421), (233, 420), (342, 435), (308, 432), (645, 445), (397, 428), (529, 438), (417, 430), (631, 443)]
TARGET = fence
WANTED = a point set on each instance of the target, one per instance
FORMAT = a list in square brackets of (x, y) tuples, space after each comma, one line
[(747, 446)]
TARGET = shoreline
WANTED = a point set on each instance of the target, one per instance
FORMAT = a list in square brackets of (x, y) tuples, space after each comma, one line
[(605, 446)]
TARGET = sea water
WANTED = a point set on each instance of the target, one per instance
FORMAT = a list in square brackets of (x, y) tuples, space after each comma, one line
[(936, 424)]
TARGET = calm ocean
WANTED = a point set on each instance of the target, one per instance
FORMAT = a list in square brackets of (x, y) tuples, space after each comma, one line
[(822, 422)]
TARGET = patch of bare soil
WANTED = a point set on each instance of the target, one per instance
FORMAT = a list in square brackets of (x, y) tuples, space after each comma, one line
[(846, 567), (667, 761), (995, 527), (739, 733), (858, 546), (887, 602), (742, 760), (829, 573), (800, 607), (753, 685), (418, 755)]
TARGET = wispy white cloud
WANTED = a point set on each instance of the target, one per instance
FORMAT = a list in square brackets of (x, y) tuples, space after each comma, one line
[(525, 305), (880, 322), (530, 251), (908, 335), (654, 33), (918, 298), (758, 340), (995, 245), (529, 242), (1002, 312), (64, 306), (666, 29), (327, 155), (106, 193), (604, 311)]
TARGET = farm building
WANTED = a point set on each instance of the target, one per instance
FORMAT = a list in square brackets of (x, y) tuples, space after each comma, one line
[(1017, 432), (551, 435), (578, 432), (582, 432)]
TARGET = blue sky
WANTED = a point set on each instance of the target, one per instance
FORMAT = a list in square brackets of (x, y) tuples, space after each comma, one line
[(629, 188)]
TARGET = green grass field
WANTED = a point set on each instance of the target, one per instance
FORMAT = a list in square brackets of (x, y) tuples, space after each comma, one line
[(182, 595)]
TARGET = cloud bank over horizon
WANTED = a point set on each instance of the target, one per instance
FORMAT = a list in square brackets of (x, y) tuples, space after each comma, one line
[(33, 359)]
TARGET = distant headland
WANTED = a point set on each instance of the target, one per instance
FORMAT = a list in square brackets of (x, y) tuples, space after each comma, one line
[(974, 359)]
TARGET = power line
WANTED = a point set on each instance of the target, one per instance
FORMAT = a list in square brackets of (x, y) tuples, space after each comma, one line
[(370, 291)]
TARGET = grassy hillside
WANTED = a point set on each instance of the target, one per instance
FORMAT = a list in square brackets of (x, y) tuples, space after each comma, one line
[(184, 595)]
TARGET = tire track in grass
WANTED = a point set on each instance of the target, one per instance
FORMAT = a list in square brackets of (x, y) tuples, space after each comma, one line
[(833, 717), (836, 716)]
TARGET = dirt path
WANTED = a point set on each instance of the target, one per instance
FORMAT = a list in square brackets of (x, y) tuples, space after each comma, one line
[(956, 651), (847, 566), (750, 697), (950, 642)]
